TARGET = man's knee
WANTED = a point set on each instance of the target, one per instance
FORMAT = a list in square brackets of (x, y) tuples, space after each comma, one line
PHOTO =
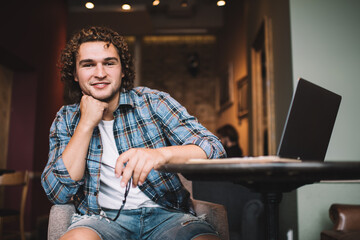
[(80, 233), (207, 237)]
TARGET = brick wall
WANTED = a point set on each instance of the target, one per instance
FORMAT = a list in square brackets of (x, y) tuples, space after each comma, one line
[(164, 66)]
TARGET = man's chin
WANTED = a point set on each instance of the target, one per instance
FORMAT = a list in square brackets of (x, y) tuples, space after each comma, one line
[(105, 99)]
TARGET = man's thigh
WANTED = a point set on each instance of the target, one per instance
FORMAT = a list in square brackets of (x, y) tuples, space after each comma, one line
[(164, 224), (145, 224), (104, 228)]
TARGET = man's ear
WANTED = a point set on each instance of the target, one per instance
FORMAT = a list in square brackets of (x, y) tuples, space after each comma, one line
[(76, 79)]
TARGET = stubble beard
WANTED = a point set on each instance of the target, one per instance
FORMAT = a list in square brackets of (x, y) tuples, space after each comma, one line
[(109, 98)]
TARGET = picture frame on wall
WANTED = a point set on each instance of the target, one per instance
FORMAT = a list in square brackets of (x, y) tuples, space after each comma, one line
[(243, 97), (226, 88)]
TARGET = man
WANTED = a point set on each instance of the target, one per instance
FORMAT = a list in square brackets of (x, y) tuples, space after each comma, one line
[(115, 135)]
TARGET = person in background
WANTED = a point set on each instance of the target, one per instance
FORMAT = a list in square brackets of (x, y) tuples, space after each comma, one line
[(230, 140), (106, 147)]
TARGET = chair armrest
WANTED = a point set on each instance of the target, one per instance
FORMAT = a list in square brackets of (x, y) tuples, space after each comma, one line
[(345, 216), (59, 220), (215, 214)]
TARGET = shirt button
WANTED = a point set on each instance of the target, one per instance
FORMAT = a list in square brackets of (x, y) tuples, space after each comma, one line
[(99, 146), (95, 193)]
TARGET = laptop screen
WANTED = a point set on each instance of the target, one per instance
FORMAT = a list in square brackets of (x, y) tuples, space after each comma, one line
[(309, 123)]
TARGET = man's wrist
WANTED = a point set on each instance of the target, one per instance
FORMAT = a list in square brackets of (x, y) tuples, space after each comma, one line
[(166, 153), (85, 126)]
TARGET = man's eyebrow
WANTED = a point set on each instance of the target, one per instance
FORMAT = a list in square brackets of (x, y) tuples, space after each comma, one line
[(85, 61), (111, 59), (89, 60)]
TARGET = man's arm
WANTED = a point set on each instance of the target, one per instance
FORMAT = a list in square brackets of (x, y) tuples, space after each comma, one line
[(140, 161), (187, 137), (74, 155), (64, 171)]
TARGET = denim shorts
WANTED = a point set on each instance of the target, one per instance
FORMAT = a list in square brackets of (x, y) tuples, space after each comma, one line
[(145, 223)]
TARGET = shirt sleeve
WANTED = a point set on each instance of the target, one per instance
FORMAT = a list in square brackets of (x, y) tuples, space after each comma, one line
[(184, 129), (55, 179)]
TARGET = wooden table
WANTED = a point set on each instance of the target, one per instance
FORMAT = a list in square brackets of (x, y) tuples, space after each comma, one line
[(271, 179)]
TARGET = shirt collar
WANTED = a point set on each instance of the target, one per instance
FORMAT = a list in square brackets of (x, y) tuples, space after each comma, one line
[(126, 99)]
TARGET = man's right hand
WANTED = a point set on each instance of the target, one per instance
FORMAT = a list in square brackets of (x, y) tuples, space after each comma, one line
[(92, 111)]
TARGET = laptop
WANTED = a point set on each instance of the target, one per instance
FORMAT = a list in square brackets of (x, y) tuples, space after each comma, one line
[(308, 127), (309, 123)]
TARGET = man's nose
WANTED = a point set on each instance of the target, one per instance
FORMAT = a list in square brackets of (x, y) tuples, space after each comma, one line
[(100, 71)]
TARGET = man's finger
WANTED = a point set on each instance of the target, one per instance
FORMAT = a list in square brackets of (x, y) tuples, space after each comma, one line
[(138, 170), (128, 169), (144, 173), (122, 159)]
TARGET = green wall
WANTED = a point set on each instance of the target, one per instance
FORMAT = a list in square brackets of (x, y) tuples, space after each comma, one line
[(326, 50)]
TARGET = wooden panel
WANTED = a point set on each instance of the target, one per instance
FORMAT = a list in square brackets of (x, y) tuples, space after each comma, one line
[(6, 77)]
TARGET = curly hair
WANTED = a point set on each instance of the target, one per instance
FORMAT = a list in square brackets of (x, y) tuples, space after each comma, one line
[(67, 63)]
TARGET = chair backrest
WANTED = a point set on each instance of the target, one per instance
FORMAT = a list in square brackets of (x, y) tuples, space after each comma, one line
[(15, 178), (187, 184), (18, 178)]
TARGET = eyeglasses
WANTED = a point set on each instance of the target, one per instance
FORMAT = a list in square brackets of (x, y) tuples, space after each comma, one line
[(127, 190)]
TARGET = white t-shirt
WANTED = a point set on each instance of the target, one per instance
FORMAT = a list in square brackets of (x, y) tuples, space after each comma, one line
[(111, 193)]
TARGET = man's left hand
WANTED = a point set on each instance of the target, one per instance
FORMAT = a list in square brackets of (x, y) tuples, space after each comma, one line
[(140, 161)]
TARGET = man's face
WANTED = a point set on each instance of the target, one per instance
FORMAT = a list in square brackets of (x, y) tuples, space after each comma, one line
[(98, 70)]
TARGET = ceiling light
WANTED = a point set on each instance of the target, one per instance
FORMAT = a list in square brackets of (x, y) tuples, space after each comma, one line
[(126, 7), (184, 3), (156, 2), (89, 5), (221, 3)]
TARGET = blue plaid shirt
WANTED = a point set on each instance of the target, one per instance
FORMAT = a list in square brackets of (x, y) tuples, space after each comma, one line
[(145, 118)]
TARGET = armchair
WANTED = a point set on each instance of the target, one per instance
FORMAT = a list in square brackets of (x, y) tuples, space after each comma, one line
[(346, 219), (216, 214)]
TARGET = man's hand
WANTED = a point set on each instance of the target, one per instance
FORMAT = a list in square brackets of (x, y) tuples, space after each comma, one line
[(74, 155), (140, 161), (92, 110)]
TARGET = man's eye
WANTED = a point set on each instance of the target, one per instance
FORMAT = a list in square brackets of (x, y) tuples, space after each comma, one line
[(109, 63), (87, 65)]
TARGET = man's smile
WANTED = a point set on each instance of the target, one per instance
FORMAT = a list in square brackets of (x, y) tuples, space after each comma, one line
[(100, 85)]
